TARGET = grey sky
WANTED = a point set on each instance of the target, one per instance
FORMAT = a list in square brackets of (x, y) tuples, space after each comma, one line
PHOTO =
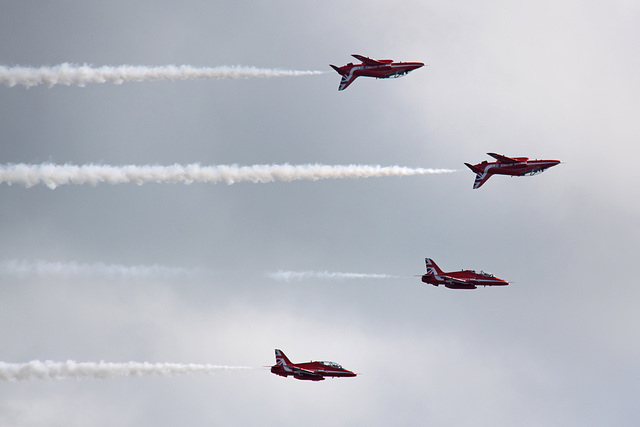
[(544, 79)]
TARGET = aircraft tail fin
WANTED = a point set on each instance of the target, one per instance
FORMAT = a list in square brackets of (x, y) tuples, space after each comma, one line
[(481, 175), (481, 178), (347, 79), (281, 358), (432, 267)]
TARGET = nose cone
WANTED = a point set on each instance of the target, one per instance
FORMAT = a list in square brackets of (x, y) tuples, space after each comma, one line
[(549, 163), (416, 65), (349, 373)]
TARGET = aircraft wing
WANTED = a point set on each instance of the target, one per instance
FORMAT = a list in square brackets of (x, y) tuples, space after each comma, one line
[(453, 280), (502, 159), (368, 61), (304, 372)]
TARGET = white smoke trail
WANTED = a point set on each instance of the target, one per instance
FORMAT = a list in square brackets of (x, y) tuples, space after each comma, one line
[(39, 268), (48, 370), (80, 75), (54, 175), (300, 275)]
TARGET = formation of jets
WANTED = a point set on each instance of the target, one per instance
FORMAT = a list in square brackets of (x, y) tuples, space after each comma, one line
[(462, 279)]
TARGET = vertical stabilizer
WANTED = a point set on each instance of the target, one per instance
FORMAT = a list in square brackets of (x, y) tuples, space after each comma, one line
[(481, 171), (432, 267), (481, 178), (281, 359), (347, 77), (346, 80)]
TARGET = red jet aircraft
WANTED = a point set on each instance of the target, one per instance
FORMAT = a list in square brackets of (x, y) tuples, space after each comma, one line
[(514, 166), (380, 69), (312, 371), (464, 279)]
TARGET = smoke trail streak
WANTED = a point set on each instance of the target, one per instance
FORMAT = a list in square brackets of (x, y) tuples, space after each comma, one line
[(39, 268), (48, 370), (54, 175), (287, 276), (80, 75)]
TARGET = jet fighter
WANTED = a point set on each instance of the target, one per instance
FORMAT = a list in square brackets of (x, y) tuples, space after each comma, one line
[(378, 68), (312, 371), (514, 166), (463, 279)]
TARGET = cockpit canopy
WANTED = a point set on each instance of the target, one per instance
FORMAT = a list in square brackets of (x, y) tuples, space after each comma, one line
[(482, 273), (332, 364)]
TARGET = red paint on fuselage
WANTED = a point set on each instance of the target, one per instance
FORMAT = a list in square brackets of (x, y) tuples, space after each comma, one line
[(310, 371), (378, 68), (513, 166), (463, 279), (472, 279)]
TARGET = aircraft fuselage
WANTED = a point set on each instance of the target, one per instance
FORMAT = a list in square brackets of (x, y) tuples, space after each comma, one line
[(309, 371), (463, 279), (471, 280), (378, 68), (513, 166)]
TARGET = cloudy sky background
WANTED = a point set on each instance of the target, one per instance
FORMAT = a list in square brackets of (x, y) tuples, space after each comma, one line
[(544, 79)]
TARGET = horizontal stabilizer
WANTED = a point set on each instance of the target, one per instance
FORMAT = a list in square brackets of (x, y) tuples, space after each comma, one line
[(342, 73), (475, 169)]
